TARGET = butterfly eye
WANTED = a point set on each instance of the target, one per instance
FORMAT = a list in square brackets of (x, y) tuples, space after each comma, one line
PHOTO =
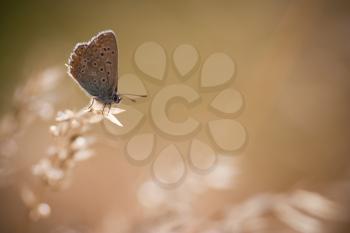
[(101, 69), (102, 54), (116, 98), (108, 48), (112, 52), (103, 80), (95, 64)]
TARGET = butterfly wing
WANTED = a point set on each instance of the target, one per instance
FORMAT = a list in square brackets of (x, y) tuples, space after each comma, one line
[(94, 66)]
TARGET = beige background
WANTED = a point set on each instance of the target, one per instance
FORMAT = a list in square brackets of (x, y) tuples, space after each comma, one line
[(292, 61)]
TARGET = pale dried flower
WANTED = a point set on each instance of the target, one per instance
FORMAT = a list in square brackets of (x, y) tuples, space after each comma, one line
[(71, 127), (34, 100), (37, 210), (40, 211), (74, 146)]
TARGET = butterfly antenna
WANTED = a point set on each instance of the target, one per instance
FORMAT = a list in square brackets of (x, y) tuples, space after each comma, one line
[(131, 99), (126, 94)]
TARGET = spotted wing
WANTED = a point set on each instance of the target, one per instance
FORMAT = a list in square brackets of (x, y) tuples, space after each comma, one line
[(94, 65)]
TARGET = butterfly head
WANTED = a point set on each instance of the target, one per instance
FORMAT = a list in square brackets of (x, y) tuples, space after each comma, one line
[(116, 98)]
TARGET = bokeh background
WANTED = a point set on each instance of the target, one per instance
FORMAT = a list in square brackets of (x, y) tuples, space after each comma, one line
[(292, 61)]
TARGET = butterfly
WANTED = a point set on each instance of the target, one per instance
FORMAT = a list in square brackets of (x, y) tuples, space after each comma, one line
[(94, 66)]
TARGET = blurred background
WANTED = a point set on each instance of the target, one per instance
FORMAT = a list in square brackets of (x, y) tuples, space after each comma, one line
[(292, 66)]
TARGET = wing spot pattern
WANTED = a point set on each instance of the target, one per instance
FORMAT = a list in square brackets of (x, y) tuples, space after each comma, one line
[(95, 66)]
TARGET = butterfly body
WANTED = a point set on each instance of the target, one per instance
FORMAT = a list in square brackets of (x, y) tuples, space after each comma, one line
[(94, 66)]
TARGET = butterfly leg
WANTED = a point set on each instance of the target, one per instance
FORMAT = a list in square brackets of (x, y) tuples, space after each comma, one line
[(109, 108), (103, 109), (92, 103)]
